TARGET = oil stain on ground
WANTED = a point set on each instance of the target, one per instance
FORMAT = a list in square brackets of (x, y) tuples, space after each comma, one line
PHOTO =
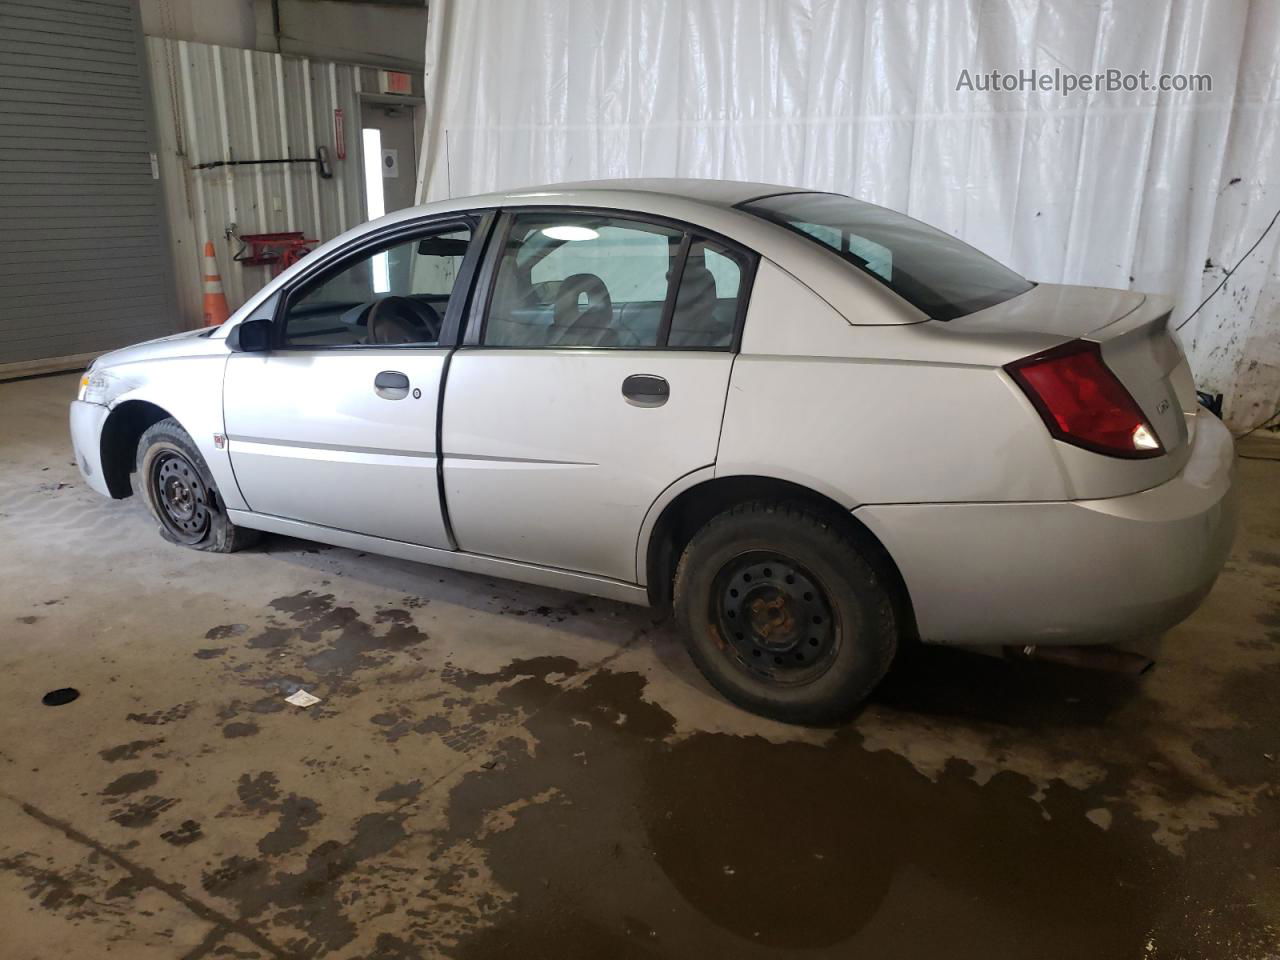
[(772, 849), (591, 826)]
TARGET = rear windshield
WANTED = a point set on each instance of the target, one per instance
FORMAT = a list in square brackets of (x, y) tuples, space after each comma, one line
[(931, 270)]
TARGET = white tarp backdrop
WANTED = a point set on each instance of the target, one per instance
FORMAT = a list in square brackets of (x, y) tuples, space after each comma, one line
[(1158, 191)]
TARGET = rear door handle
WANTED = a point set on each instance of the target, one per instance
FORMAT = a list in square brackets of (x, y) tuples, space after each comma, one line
[(646, 390), (391, 385)]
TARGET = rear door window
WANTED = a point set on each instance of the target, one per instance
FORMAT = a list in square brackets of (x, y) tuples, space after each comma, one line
[(573, 280), (582, 280)]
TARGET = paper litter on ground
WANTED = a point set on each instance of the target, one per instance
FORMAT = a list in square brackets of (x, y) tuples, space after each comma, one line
[(301, 698)]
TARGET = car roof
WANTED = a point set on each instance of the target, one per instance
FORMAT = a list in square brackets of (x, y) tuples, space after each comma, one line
[(715, 193), (720, 193)]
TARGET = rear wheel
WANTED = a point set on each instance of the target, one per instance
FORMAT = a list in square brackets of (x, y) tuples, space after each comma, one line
[(783, 613), (180, 493)]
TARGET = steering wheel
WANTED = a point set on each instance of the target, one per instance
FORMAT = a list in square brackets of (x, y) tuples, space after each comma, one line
[(395, 320)]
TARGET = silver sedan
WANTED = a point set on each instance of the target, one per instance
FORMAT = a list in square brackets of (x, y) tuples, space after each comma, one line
[(813, 427)]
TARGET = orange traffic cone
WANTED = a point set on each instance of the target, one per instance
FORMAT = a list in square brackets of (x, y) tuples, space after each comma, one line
[(216, 310)]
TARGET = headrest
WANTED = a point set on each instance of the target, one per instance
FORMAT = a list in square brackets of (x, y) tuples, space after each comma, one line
[(570, 292)]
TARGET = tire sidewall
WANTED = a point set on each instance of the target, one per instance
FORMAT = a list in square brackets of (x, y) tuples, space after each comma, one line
[(167, 437), (858, 601)]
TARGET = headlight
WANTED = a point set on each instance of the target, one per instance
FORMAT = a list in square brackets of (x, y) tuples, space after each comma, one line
[(93, 386)]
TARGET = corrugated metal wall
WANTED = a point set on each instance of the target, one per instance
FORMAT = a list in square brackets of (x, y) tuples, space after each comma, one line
[(83, 260), (222, 103)]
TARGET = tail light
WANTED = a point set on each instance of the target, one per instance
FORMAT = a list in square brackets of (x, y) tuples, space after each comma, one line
[(1083, 403)]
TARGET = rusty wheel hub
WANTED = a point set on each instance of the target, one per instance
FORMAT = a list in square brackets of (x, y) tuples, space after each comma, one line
[(774, 618), (181, 496)]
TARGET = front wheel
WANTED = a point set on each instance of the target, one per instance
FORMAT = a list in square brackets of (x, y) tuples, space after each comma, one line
[(180, 493), (783, 613)]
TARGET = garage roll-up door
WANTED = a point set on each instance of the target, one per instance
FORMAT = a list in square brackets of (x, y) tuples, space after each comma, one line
[(83, 260)]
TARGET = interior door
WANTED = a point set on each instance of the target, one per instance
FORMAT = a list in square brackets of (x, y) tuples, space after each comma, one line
[(337, 425), (392, 151), (592, 387)]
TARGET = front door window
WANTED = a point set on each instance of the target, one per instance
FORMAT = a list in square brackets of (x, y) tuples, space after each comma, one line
[(396, 295)]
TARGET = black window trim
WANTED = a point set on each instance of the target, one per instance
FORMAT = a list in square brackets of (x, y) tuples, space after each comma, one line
[(673, 293), (479, 222), (478, 316)]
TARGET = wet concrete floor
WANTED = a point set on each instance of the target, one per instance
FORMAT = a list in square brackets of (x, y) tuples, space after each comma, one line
[(504, 771)]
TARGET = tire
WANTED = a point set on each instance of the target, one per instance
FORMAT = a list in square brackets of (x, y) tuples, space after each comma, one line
[(181, 495), (783, 614)]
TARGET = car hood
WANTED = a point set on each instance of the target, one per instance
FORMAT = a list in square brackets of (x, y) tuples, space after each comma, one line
[(175, 345)]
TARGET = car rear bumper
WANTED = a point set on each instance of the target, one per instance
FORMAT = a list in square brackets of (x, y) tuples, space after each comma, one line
[(86, 439), (1074, 572)]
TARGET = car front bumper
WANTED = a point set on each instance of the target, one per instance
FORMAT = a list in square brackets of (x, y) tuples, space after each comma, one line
[(86, 439), (1073, 572)]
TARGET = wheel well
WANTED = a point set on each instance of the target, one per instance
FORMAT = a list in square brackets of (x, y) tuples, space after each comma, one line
[(120, 435), (688, 512)]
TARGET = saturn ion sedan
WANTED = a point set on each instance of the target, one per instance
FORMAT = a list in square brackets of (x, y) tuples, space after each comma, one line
[(812, 427)]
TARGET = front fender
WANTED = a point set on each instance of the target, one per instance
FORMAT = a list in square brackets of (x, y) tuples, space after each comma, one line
[(188, 389), (86, 440)]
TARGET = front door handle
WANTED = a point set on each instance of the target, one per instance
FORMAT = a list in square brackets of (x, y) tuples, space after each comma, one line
[(391, 385), (646, 390)]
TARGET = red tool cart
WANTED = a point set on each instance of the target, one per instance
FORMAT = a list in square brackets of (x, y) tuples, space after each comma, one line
[(278, 251)]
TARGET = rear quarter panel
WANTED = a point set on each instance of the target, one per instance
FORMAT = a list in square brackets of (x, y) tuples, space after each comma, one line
[(878, 414)]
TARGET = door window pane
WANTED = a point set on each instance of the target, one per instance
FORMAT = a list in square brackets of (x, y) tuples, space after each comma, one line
[(577, 280), (397, 295), (707, 305)]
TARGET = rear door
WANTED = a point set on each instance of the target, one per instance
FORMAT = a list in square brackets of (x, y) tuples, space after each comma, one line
[(594, 377), (337, 424)]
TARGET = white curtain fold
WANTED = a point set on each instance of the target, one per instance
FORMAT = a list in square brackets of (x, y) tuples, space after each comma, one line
[(1155, 191)]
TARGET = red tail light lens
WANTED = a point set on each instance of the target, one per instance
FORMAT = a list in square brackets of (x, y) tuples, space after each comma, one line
[(1083, 403)]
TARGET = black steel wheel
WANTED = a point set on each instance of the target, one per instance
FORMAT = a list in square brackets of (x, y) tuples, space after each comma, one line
[(182, 496), (783, 613), (775, 618), (175, 482)]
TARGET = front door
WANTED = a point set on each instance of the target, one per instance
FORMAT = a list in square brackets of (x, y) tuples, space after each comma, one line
[(337, 424), (599, 378)]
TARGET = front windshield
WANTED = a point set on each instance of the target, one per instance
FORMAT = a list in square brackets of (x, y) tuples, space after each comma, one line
[(943, 277)]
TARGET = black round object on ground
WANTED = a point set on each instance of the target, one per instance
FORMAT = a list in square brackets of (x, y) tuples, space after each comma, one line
[(56, 698)]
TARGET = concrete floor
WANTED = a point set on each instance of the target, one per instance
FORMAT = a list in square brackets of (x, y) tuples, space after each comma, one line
[(502, 771)]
